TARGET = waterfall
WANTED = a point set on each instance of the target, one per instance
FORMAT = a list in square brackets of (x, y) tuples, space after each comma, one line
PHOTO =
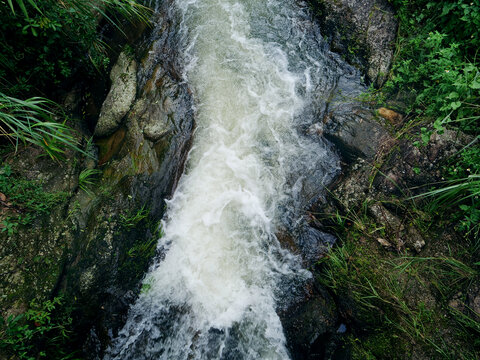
[(259, 71)]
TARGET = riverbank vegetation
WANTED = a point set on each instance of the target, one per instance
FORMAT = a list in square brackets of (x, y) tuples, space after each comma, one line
[(401, 303), (45, 48), (437, 66)]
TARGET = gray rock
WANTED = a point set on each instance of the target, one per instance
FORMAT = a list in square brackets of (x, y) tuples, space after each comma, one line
[(355, 131), (363, 30), (402, 234), (121, 96)]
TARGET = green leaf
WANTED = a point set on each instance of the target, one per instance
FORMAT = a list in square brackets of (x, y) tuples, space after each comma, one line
[(22, 7), (11, 6), (455, 105), (475, 84)]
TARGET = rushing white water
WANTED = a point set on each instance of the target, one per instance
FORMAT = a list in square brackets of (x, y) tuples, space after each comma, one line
[(254, 73)]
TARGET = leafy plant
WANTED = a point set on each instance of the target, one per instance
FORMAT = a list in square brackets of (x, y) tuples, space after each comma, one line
[(44, 44), (455, 191), (37, 333), (129, 221), (87, 178), (437, 64)]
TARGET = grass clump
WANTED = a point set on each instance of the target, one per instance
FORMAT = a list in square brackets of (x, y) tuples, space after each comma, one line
[(132, 219), (32, 121), (87, 178), (398, 303)]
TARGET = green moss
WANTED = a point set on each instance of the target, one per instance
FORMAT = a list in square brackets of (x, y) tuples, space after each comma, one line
[(381, 345)]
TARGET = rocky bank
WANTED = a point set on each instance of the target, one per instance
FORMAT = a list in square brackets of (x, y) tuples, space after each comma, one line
[(95, 245)]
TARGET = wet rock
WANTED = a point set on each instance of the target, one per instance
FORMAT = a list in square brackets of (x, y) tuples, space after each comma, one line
[(307, 241), (445, 144), (353, 188), (394, 225), (402, 234), (313, 244), (121, 95), (355, 131), (309, 325), (362, 30), (110, 146), (155, 111)]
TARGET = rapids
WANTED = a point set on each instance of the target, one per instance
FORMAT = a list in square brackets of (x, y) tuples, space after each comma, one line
[(261, 75)]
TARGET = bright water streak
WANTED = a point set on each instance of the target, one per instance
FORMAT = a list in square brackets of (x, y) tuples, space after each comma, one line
[(214, 294)]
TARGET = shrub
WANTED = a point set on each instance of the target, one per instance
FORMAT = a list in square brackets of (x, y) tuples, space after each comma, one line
[(32, 121)]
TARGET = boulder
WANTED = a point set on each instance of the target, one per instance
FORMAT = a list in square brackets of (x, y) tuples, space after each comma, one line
[(355, 131), (310, 324), (120, 97), (362, 30)]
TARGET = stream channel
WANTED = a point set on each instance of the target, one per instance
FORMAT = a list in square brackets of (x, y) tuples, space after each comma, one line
[(262, 78)]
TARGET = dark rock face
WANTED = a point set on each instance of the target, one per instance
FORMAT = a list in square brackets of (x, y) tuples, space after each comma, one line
[(141, 170), (310, 324), (311, 321), (363, 30)]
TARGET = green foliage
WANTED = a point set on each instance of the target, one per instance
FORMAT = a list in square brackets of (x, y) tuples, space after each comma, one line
[(382, 291), (31, 121), (87, 178), (43, 44), (38, 333), (130, 220), (27, 200), (393, 300), (437, 62)]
